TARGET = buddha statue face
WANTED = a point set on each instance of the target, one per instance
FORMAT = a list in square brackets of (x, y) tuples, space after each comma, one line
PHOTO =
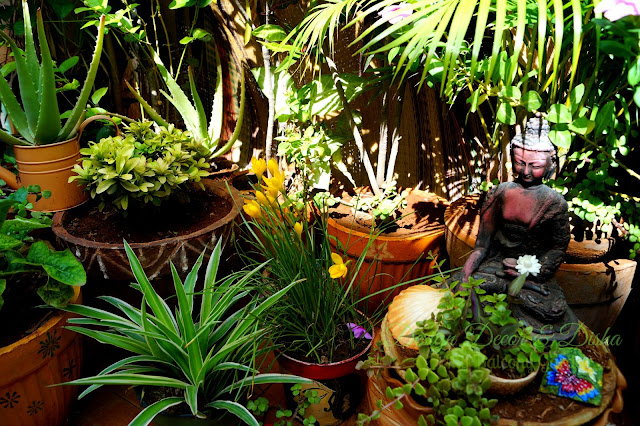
[(531, 166), (533, 154)]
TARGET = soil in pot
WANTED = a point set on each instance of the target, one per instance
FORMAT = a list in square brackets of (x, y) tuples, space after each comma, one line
[(20, 309), (344, 348), (170, 220)]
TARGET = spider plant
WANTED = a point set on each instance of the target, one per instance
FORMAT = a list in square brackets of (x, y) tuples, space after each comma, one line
[(193, 115), (211, 356), (38, 120)]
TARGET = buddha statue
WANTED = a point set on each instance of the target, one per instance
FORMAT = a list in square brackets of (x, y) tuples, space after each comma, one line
[(526, 217)]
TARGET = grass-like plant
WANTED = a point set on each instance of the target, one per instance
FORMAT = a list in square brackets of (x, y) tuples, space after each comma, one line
[(38, 120), (141, 165), (285, 230), (210, 355)]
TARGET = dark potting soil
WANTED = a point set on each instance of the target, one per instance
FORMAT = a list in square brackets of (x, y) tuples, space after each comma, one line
[(342, 350), (424, 213), (20, 313), (151, 394), (532, 405), (171, 219)]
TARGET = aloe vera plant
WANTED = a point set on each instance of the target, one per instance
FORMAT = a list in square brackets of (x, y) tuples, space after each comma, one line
[(38, 120), (210, 356), (193, 115)]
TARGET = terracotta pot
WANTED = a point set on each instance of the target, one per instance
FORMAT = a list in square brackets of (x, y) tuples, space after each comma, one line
[(49, 355), (391, 258), (595, 291), (109, 261), (50, 166), (338, 386)]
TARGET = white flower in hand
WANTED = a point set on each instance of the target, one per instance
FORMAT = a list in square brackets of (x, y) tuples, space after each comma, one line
[(528, 263)]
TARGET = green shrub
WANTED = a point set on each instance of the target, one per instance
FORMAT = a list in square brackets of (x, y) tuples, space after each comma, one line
[(141, 165)]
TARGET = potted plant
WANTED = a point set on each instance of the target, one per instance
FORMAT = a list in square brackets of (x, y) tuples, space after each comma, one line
[(457, 347), (410, 219), (203, 356), (45, 150), (35, 350), (145, 179), (320, 333)]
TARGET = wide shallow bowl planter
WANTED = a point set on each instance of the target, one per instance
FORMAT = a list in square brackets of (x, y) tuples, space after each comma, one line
[(50, 166), (521, 409), (109, 261), (48, 356), (502, 386), (596, 292), (395, 256)]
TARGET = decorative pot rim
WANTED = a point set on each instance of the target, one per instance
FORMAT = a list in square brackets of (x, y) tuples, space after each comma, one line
[(522, 380), (331, 364), (42, 328), (219, 187)]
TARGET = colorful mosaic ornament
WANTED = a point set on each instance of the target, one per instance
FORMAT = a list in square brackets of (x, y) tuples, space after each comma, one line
[(573, 375)]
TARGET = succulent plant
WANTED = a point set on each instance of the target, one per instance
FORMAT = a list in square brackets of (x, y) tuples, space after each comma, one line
[(141, 165)]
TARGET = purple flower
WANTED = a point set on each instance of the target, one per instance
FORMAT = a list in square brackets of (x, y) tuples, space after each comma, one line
[(358, 331), (392, 12), (616, 9)]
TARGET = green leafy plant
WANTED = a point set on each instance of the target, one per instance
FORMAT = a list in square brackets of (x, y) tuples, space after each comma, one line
[(471, 331), (209, 354), (141, 166), (21, 254), (285, 416), (195, 120), (38, 120)]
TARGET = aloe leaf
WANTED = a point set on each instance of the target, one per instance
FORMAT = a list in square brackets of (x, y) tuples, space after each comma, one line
[(202, 119), (236, 409), (15, 111), (30, 47), (238, 129), (72, 122), (153, 114), (217, 111), (49, 115)]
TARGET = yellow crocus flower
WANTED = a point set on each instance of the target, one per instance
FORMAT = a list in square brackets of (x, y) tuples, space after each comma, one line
[(299, 228), (258, 166), (339, 268), (252, 208), (266, 200)]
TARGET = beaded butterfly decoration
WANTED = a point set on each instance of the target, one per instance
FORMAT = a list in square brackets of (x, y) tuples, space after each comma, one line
[(572, 375)]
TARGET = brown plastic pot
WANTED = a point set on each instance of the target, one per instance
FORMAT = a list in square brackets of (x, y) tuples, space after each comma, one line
[(50, 167), (596, 292), (28, 367), (390, 259), (109, 261)]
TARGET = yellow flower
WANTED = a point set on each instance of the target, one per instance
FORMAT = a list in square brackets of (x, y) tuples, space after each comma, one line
[(258, 166), (298, 228), (252, 208), (265, 200), (276, 182), (273, 167), (339, 269)]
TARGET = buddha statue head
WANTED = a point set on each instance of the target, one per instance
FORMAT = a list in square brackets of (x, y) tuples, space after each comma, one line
[(532, 154)]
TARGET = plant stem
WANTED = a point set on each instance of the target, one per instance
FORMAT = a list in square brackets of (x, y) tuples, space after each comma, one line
[(599, 148), (395, 137), (356, 133), (268, 90)]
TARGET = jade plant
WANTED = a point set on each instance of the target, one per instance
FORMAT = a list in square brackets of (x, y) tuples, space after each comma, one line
[(38, 120), (141, 166), (206, 349), (21, 253), (471, 332)]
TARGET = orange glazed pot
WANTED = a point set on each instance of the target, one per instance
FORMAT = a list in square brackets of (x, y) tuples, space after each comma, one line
[(395, 257), (50, 166), (49, 355)]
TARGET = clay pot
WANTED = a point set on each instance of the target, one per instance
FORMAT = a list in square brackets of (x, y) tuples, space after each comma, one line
[(502, 386), (109, 261), (596, 291), (393, 257), (48, 356), (338, 385), (50, 166)]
